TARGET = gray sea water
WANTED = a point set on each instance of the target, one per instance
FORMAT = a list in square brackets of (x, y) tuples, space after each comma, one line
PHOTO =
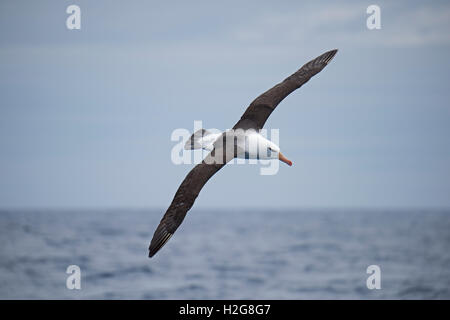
[(228, 254)]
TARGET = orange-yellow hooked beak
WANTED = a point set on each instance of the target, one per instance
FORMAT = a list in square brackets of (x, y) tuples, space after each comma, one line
[(284, 159)]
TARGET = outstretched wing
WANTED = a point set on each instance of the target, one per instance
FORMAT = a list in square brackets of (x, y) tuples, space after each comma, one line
[(260, 109), (182, 202)]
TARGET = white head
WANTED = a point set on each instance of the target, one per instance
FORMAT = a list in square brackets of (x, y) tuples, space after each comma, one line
[(258, 147)]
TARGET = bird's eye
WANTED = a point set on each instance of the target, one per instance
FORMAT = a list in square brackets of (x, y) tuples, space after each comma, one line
[(270, 149)]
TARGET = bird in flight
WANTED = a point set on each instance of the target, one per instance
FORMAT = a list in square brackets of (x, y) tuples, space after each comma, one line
[(242, 141)]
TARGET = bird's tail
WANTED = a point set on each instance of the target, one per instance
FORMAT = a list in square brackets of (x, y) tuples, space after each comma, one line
[(198, 140)]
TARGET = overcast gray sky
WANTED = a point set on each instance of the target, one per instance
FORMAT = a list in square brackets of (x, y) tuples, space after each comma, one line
[(86, 115)]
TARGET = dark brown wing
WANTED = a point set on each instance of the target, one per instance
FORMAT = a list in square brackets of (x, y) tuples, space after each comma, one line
[(182, 202), (260, 109)]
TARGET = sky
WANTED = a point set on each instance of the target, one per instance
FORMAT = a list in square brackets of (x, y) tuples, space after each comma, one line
[(86, 116)]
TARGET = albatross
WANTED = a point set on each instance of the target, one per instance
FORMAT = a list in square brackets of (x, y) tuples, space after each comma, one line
[(242, 141)]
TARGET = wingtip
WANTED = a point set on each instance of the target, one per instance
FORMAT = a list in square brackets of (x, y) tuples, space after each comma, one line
[(158, 242), (328, 56), (152, 252)]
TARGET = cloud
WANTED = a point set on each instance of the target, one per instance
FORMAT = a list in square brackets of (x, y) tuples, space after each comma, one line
[(345, 23), (418, 26)]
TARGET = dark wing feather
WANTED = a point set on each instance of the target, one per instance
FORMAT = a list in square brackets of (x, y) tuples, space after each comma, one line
[(260, 109), (182, 202)]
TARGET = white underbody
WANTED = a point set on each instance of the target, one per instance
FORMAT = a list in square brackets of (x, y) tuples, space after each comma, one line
[(250, 144)]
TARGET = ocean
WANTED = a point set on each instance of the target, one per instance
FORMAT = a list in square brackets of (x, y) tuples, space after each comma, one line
[(226, 254)]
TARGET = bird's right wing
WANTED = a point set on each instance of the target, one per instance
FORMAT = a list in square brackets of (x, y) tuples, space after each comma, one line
[(184, 199), (260, 109)]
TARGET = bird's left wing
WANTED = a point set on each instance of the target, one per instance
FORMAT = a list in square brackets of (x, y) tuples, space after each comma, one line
[(260, 109), (183, 201)]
